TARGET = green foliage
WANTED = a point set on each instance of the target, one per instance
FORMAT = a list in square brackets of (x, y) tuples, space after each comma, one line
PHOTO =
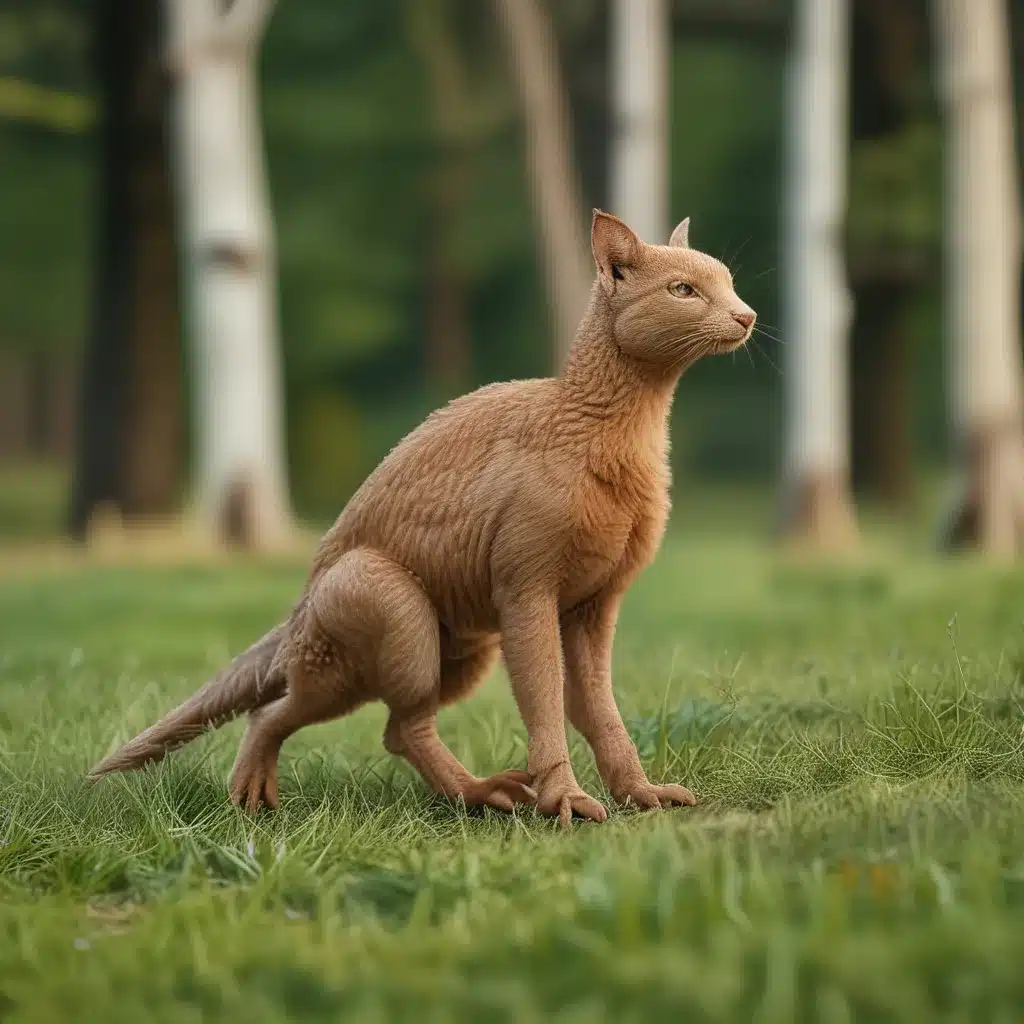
[(726, 176), (44, 173), (45, 230), (352, 148), (326, 459), (44, 41), (32, 501), (895, 211), (854, 738)]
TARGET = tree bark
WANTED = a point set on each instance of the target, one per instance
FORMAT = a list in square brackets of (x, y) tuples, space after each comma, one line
[(533, 55), (983, 267), (129, 444), (641, 44), (447, 320), (818, 510), (882, 451), (98, 473), (889, 47), (447, 315), (154, 442), (241, 480)]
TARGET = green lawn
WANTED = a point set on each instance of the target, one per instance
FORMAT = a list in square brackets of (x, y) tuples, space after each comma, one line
[(855, 738)]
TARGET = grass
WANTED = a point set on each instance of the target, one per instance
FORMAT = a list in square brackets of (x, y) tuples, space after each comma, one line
[(855, 736), (32, 499)]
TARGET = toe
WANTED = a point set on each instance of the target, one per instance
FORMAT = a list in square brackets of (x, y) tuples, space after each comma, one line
[(644, 799), (516, 776), (565, 812), (520, 793), (514, 785), (255, 794), (588, 807), (678, 795), (239, 788), (512, 793), (500, 800), (582, 806), (270, 797)]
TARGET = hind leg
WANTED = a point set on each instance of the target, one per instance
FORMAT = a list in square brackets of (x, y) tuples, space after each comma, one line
[(410, 680), (371, 634), (412, 734), (324, 670), (311, 698), (322, 684)]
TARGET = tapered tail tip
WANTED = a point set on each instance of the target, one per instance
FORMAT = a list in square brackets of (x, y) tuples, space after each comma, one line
[(108, 766)]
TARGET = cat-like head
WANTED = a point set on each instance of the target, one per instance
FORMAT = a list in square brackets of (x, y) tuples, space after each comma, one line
[(669, 304)]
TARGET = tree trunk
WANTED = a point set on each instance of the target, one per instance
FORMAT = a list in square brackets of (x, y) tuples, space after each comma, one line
[(153, 448), (242, 489), (983, 273), (97, 475), (882, 455), (452, 101), (14, 404), (129, 443), (641, 44), (818, 510), (888, 51), (533, 54), (448, 334)]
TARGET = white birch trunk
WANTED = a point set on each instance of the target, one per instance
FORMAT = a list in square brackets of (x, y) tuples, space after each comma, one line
[(533, 55), (641, 45), (817, 304), (983, 267), (241, 478)]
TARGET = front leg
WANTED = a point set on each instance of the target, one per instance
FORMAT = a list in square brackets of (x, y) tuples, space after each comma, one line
[(531, 643), (587, 635)]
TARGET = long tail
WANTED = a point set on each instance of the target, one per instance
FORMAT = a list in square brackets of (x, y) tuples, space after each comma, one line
[(251, 680)]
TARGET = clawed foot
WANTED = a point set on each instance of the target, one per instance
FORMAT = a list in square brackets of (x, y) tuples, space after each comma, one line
[(255, 783), (562, 796), (649, 797), (503, 791)]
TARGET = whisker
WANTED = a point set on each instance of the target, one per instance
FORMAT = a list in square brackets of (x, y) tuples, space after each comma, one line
[(739, 251), (769, 335), (765, 354)]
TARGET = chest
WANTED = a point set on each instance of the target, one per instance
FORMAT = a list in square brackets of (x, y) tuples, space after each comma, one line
[(617, 528)]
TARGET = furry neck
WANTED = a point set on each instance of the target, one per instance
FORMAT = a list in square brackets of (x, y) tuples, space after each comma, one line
[(601, 379), (620, 403)]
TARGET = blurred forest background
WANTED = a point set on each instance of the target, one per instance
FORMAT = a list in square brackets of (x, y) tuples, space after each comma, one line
[(406, 241)]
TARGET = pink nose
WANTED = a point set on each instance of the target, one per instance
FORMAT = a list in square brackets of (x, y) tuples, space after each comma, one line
[(745, 320)]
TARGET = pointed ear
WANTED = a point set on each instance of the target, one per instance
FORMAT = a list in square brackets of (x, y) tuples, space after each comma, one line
[(615, 245), (681, 236)]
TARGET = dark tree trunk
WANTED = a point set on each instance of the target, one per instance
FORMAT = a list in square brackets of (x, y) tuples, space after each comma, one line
[(40, 402), (882, 455), (154, 439), (889, 47), (97, 473), (128, 449), (447, 328), (447, 315)]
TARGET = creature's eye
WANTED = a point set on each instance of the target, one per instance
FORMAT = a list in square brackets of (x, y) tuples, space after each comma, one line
[(682, 289), (617, 272)]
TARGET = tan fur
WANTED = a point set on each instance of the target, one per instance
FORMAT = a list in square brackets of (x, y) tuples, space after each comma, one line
[(513, 519)]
